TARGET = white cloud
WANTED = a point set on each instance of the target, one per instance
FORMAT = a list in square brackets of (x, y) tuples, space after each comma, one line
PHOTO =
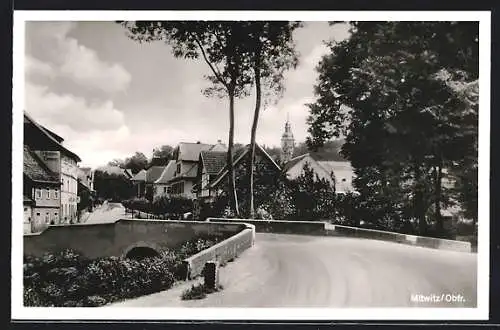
[(34, 67), (76, 61), (84, 66), (71, 111)]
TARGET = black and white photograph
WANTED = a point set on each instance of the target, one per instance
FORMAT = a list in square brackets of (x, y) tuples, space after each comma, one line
[(253, 166)]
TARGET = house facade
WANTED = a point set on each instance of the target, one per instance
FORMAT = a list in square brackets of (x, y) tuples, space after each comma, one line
[(41, 193), (339, 174), (152, 174), (161, 185), (210, 185), (139, 183), (49, 147), (186, 157)]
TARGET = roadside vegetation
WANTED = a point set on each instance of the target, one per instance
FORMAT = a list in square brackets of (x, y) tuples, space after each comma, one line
[(68, 279)]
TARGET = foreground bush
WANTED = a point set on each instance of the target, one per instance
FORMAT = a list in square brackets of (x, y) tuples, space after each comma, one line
[(67, 279)]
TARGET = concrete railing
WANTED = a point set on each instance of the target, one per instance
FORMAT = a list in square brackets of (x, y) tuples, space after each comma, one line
[(280, 226), (429, 242), (327, 229), (222, 252)]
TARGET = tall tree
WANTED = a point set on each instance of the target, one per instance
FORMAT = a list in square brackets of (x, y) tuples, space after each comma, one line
[(136, 163), (221, 45), (403, 121), (271, 50)]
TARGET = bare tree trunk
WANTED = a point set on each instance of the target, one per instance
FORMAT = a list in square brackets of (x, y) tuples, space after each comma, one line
[(232, 185), (419, 201), (258, 96), (438, 173)]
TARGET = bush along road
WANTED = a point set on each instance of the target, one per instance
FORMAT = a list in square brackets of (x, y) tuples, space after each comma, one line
[(67, 279)]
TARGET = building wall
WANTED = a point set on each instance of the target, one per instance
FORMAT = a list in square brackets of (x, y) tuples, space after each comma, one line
[(69, 189), (186, 191), (28, 211), (298, 169), (160, 189), (42, 218)]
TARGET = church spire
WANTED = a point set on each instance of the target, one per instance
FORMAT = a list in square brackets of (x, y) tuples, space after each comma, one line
[(287, 142)]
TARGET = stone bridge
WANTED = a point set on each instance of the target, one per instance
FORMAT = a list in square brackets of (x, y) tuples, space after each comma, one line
[(124, 238)]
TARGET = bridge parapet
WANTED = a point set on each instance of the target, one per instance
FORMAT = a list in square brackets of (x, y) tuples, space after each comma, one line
[(115, 239), (322, 228)]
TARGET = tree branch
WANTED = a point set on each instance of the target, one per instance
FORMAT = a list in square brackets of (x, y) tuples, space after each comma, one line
[(212, 67)]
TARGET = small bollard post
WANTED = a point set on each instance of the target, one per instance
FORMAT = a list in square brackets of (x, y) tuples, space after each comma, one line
[(211, 275)]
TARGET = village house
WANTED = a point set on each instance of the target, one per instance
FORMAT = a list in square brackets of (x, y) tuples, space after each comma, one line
[(339, 174), (41, 193), (152, 174), (139, 182), (50, 149), (161, 185), (186, 157), (213, 170)]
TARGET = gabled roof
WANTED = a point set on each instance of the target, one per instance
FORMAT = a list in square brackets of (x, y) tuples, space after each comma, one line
[(56, 139), (239, 155), (213, 161), (168, 173), (128, 173), (35, 169), (294, 161), (187, 151), (140, 176), (153, 173)]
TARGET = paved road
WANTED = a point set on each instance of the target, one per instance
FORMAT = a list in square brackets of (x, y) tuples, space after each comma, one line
[(304, 271), (108, 212)]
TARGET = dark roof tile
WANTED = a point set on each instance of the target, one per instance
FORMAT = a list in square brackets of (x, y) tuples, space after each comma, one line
[(35, 169)]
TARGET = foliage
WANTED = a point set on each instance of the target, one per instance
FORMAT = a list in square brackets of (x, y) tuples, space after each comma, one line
[(138, 204), (69, 279), (112, 186), (271, 52), (223, 47), (198, 291), (393, 90)]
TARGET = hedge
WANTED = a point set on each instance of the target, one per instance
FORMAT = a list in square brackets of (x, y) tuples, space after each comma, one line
[(68, 279)]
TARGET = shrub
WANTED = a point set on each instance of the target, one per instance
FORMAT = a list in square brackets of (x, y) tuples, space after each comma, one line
[(68, 279), (198, 291)]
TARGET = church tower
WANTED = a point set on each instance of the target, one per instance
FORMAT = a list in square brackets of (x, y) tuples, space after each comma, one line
[(287, 143)]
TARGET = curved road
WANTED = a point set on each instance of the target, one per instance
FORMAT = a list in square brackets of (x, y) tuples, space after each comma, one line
[(306, 271)]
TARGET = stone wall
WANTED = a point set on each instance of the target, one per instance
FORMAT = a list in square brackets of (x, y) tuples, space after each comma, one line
[(116, 239), (221, 252), (281, 226), (326, 229)]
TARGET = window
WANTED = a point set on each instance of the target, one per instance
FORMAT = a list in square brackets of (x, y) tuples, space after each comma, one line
[(178, 168), (169, 189), (38, 214), (38, 193), (47, 193), (56, 194), (47, 217), (164, 190), (67, 185)]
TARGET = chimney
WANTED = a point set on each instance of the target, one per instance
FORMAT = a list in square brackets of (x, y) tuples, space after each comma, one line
[(219, 141)]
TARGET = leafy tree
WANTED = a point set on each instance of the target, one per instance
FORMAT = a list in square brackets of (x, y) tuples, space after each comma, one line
[(112, 186), (271, 50), (161, 156), (388, 90), (136, 163), (221, 44)]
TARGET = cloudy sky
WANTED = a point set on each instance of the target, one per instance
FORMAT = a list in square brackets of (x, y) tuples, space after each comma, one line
[(109, 96)]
